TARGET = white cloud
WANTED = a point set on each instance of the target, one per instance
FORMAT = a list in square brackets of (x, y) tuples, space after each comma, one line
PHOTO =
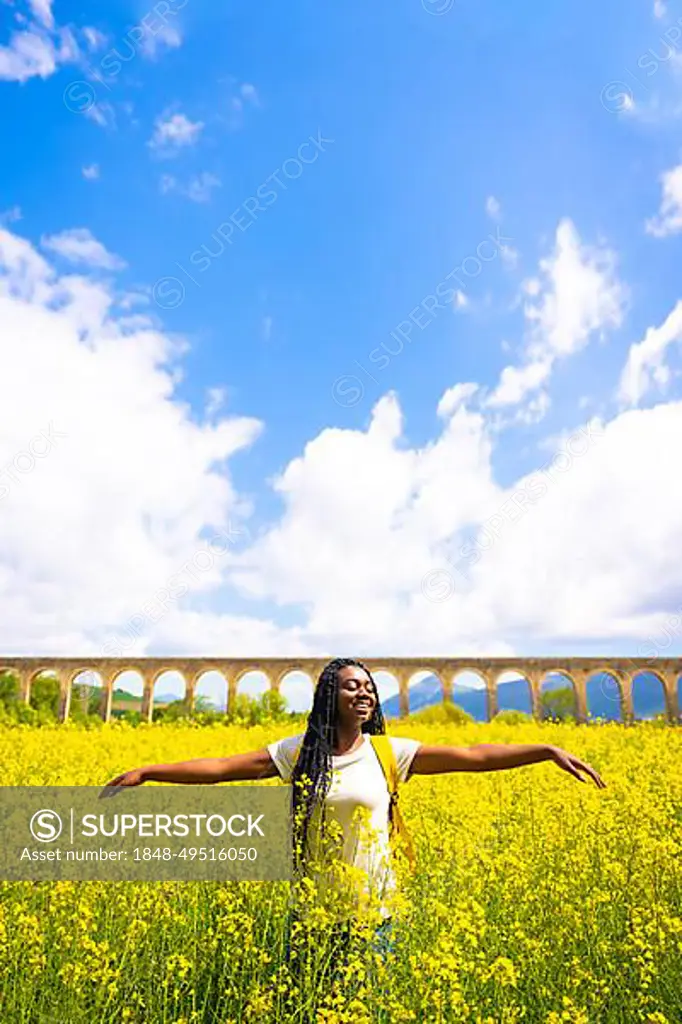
[(577, 296), (460, 300), (534, 410), (91, 172), (250, 93), (94, 38), (383, 517), (141, 483), (492, 207), (661, 103), (517, 381), (150, 37), (659, 9), (11, 216), (78, 245), (455, 397), (510, 255), (411, 500), (24, 270), (531, 286), (163, 37), (669, 219), (216, 400), (207, 634), (102, 114), (581, 532), (174, 132), (42, 11), (241, 95), (33, 54), (646, 364), (131, 299), (582, 296), (199, 188)]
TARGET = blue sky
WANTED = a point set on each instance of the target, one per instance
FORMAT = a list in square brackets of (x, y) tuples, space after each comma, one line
[(517, 164)]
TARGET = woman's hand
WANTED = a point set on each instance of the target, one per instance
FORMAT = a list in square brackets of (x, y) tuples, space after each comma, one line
[(573, 765), (132, 778)]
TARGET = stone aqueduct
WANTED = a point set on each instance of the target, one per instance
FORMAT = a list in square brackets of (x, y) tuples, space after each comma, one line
[(622, 672)]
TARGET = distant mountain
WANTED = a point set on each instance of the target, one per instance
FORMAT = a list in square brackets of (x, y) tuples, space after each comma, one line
[(428, 692), (514, 695)]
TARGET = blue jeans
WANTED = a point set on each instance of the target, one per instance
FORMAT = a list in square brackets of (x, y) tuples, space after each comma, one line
[(324, 966), (382, 941)]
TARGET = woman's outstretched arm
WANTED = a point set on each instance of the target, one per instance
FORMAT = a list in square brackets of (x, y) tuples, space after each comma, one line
[(490, 757), (250, 767)]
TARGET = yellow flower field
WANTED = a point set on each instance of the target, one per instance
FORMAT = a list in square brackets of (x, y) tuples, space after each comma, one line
[(538, 898)]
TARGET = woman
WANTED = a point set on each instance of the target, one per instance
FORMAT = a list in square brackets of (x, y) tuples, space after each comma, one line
[(340, 795)]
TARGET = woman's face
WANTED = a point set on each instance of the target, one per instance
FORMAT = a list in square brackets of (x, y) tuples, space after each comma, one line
[(356, 699)]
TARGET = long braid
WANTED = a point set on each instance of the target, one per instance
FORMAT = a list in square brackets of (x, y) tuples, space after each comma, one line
[(315, 756)]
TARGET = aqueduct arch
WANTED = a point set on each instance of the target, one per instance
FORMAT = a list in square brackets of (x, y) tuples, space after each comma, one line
[(534, 670)]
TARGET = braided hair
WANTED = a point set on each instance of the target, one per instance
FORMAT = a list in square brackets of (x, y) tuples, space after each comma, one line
[(315, 756)]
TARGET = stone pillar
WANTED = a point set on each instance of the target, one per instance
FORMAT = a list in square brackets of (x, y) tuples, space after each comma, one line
[(535, 683), (627, 708), (106, 697), (670, 690), (403, 677), (491, 695), (64, 697), (25, 680), (147, 696), (231, 677), (190, 689), (447, 680), (580, 695)]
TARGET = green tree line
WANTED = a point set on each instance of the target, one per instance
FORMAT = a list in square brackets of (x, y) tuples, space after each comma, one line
[(43, 707), (556, 705)]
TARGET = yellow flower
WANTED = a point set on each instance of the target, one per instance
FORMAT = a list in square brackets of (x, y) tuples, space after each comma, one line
[(530, 888)]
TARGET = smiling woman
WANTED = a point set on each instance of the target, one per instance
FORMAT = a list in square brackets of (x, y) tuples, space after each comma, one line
[(345, 774)]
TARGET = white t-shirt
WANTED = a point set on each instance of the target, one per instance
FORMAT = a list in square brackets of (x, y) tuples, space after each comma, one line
[(359, 789)]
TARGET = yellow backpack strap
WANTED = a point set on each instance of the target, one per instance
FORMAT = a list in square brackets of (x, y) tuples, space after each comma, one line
[(400, 836), (399, 831)]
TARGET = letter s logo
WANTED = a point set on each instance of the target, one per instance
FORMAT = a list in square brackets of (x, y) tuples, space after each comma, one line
[(46, 826)]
